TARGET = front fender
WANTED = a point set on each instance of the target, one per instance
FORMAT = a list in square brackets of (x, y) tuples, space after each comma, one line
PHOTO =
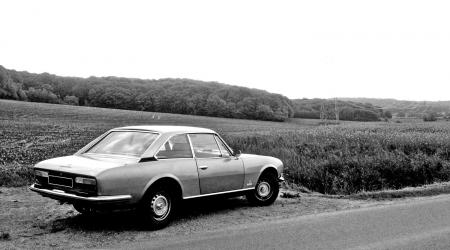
[(264, 168), (255, 165)]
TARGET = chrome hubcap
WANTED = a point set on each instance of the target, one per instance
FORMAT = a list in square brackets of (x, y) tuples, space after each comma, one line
[(263, 189), (160, 206)]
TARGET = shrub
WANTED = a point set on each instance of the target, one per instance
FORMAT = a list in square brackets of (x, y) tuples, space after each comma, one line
[(41, 95), (71, 100), (430, 117)]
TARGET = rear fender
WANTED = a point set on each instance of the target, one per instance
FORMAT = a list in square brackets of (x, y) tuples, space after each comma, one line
[(159, 177)]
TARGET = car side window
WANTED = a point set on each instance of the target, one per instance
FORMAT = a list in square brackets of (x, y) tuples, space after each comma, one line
[(176, 147), (222, 147), (204, 145)]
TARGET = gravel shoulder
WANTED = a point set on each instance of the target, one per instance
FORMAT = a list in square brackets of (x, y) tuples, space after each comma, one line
[(28, 220)]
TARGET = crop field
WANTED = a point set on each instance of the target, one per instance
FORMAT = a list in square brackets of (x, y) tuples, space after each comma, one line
[(334, 159), (31, 132)]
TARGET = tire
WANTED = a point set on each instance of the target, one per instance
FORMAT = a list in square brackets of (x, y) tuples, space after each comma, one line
[(157, 208), (265, 192)]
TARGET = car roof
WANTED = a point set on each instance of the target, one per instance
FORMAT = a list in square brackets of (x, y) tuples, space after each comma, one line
[(168, 129)]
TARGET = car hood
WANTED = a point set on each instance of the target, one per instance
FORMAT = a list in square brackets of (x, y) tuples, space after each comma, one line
[(249, 156), (86, 164), (260, 159)]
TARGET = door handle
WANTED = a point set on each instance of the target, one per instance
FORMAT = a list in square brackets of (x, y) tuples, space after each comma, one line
[(203, 167)]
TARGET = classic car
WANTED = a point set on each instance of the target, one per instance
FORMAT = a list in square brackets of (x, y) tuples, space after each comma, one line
[(152, 169)]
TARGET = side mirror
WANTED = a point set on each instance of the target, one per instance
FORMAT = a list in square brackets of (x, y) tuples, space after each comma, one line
[(237, 153)]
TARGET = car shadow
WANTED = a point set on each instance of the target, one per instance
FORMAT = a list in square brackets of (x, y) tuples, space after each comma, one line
[(130, 221)]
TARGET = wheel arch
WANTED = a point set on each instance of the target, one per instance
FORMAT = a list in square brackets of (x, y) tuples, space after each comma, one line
[(268, 169), (167, 179)]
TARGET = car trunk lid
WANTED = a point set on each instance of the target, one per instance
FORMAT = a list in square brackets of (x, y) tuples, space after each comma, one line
[(86, 164)]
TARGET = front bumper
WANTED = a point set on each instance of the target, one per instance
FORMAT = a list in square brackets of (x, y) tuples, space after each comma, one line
[(281, 178), (73, 198)]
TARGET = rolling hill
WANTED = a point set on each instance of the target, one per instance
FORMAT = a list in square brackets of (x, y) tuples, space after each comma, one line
[(179, 96), (401, 108), (348, 110)]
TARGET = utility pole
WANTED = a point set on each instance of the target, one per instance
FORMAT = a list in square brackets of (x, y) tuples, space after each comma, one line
[(322, 112), (336, 110)]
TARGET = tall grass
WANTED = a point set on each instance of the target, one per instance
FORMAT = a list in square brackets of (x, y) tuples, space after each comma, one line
[(358, 157)]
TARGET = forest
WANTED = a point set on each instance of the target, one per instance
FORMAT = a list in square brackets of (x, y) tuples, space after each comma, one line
[(180, 96)]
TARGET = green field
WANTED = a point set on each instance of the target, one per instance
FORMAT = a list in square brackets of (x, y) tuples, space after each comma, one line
[(336, 159)]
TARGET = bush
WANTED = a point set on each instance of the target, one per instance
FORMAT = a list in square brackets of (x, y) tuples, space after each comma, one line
[(41, 95), (430, 117), (387, 114), (71, 100)]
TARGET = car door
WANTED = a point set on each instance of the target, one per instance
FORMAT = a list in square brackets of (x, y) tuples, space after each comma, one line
[(175, 157), (218, 171)]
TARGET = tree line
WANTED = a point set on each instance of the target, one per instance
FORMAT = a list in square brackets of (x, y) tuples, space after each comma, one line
[(182, 96), (410, 109), (347, 110)]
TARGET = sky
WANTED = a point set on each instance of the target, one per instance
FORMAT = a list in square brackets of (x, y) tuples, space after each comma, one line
[(301, 49)]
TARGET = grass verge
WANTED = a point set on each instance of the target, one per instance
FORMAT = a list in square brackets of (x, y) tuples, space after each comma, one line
[(425, 190), (15, 175), (296, 192)]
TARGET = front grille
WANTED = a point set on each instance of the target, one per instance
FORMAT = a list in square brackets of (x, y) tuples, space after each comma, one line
[(60, 181), (66, 182)]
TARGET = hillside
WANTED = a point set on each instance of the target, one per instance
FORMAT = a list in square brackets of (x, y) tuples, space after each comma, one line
[(179, 96), (401, 108), (182, 96), (348, 110)]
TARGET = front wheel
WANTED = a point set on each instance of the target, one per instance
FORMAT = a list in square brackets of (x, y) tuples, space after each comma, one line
[(265, 192), (157, 208)]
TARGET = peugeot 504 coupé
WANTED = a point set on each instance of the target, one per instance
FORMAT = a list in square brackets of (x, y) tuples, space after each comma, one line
[(152, 169)]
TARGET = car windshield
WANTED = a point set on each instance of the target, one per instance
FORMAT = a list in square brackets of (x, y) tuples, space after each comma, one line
[(130, 143)]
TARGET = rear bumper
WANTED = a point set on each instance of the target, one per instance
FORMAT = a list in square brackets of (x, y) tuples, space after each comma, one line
[(73, 198)]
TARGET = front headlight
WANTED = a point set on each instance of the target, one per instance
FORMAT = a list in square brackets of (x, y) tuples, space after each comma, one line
[(86, 181), (41, 173)]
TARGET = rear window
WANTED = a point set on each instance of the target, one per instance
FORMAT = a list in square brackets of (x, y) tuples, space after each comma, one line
[(130, 143)]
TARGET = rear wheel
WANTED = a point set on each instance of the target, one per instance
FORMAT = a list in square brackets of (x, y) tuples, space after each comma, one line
[(265, 192), (158, 207)]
